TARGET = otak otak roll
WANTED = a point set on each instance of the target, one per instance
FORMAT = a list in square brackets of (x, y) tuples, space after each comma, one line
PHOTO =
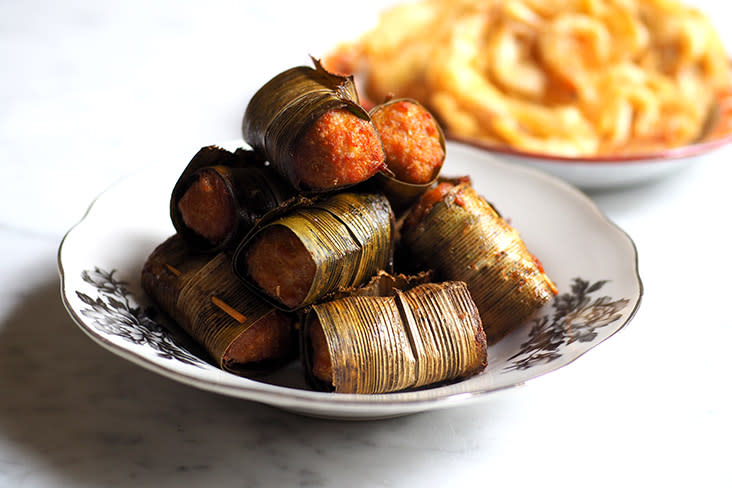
[(354, 354), (377, 344), (221, 195), (415, 150), (412, 139), (462, 237), (333, 244), (281, 265), (308, 123), (241, 332), (207, 206)]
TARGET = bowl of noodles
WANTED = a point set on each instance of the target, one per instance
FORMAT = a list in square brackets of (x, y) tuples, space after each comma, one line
[(601, 93)]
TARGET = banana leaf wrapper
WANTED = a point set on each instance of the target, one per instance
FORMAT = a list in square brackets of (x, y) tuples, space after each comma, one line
[(463, 237), (254, 189), (349, 237), (369, 347), (202, 295), (446, 332), (429, 334), (284, 108), (401, 194)]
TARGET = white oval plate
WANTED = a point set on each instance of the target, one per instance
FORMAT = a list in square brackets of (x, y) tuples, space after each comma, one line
[(592, 261)]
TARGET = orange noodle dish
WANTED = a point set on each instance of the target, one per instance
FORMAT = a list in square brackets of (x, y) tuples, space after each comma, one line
[(572, 78)]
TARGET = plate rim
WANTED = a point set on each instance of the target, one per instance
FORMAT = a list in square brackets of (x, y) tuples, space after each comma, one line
[(665, 155)]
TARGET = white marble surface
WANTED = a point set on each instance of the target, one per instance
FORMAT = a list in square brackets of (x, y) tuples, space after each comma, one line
[(90, 91)]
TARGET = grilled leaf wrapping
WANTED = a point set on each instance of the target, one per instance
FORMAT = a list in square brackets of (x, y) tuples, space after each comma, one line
[(241, 332), (373, 344), (462, 237), (415, 150), (283, 110), (368, 345), (343, 240), (244, 184)]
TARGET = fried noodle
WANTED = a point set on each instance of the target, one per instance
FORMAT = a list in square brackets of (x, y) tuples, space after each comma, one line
[(564, 77)]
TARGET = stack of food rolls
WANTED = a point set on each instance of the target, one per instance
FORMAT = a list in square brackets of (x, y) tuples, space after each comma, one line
[(293, 240)]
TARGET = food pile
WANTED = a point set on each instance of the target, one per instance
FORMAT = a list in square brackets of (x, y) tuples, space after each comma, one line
[(335, 237), (566, 78)]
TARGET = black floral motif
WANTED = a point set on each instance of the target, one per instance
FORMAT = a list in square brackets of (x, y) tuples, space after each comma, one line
[(576, 318), (112, 313)]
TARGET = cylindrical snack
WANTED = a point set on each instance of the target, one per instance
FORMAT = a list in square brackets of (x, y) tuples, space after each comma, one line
[(221, 195), (415, 150), (412, 139), (241, 332), (308, 123), (413, 338), (330, 245), (445, 331), (365, 347), (461, 236)]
